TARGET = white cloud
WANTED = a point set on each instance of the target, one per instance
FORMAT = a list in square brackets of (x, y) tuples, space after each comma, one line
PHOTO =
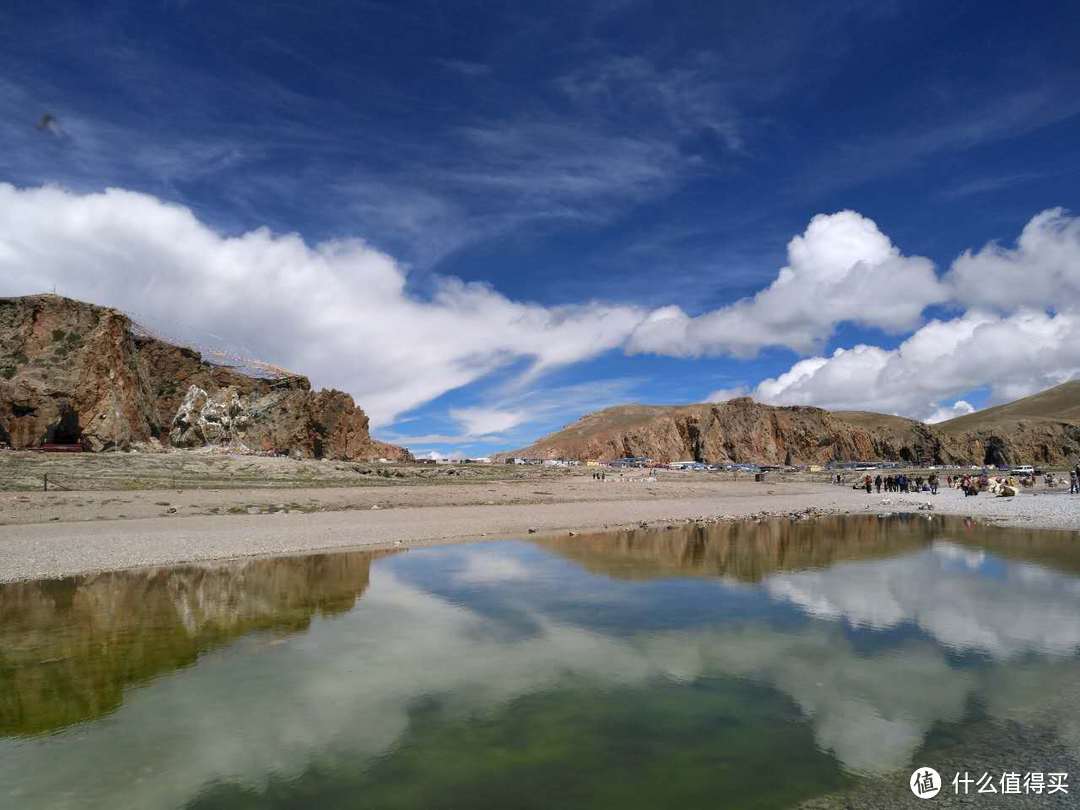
[(515, 410), (1017, 336), (724, 394), (1042, 271), (435, 455), (485, 421), (1015, 355), (338, 311), (959, 408), (843, 268)]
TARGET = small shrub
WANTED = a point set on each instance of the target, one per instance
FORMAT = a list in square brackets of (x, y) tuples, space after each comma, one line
[(7, 372), (58, 334)]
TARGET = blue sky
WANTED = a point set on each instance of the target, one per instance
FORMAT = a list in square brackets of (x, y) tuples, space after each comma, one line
[(620, 154)]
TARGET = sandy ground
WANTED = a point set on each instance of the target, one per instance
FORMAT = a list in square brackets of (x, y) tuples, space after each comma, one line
[(58, 534)]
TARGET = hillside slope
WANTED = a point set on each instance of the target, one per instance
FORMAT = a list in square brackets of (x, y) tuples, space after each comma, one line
[(1043, 429), (72, 372), (739, 430), (1058, 404)]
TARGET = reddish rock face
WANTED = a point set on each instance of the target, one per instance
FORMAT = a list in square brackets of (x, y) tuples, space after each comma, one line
[(744, 431), (72, 372), (342, 431)]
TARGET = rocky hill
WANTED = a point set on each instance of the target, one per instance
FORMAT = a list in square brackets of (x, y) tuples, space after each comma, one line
[(1042, 428), (76, 373), (741, 430)]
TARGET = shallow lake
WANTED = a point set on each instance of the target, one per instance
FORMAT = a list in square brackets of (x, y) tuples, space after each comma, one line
[(742, 665)]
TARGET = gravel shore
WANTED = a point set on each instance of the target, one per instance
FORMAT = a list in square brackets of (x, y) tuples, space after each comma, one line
[(47, 535)]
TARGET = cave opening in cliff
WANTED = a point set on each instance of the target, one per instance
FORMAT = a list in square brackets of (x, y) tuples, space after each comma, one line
[(318, 441), (995, 455), (66, 429)]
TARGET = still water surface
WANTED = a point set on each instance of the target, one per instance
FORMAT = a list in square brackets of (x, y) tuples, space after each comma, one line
[(762, 665)]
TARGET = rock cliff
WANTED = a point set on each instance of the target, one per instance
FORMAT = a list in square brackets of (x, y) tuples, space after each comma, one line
[(72, 372), (744, 431)]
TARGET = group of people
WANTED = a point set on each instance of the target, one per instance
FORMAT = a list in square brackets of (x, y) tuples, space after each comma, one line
[(969, 484), (901, 483)]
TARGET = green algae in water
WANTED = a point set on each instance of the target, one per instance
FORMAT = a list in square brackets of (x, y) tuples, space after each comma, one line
[(664, 745), (758, 665)]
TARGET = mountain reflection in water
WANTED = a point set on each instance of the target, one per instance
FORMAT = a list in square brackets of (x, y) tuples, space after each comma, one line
[(69, 647), (630, 669), (750, 550)]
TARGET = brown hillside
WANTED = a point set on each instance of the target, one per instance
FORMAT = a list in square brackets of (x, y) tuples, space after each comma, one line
[(1058, 404), (741, 430)]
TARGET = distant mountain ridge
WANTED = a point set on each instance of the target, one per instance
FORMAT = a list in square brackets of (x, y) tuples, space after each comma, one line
[(1040, 429)]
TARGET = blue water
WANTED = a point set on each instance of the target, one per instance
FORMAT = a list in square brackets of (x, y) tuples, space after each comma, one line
[(761, 665)]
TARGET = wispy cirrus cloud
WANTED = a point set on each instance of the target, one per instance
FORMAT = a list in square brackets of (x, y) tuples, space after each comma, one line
[(988, 184), (514, 414), (992, 118)]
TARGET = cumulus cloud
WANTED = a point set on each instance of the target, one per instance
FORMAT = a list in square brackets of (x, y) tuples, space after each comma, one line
[(338, 311), (1015, 355), (959, 408), (1021, 317), (1016, 336), (1042, 271), (842, 268), (435, 455)]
